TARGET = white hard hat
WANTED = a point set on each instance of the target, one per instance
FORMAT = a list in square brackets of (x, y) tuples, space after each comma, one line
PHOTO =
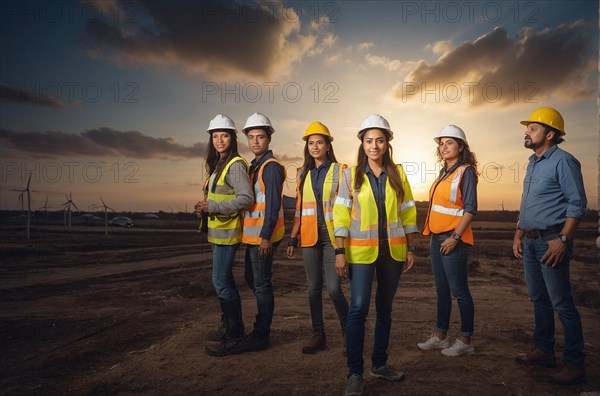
[(221, 121), (451, 131), (258, 120), (375, 121)]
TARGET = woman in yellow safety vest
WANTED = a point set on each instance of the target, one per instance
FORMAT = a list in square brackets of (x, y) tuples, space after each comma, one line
[(317, 185), (374, 218), (229, 192), (452, 205)]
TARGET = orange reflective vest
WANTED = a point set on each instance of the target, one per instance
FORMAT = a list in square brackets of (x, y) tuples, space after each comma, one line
[(254, 216), (224, 229), (446, 206), (306, 205), (355, 218)]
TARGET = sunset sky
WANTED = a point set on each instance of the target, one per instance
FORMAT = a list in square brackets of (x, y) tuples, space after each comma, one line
[(113, 98)]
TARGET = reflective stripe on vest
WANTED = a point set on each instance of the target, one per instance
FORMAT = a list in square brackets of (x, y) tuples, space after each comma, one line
[(446, 206), (224, 230), (254, 216), (308, 224), (362, 244)]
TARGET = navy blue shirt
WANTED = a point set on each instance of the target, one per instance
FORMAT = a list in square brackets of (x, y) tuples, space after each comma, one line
[(552, 191), (317, 178), (273, 177), (378, 187)]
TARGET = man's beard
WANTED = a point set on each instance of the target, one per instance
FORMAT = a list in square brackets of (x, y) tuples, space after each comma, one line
[(530, 144)]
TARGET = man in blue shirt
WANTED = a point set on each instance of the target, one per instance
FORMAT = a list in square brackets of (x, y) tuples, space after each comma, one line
[(552, 206), (263, 228)]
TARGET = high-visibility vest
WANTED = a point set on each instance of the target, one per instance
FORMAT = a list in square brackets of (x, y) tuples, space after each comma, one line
[(254, 216), (224, 229), (306, 205), (355, 217), (446, 206)]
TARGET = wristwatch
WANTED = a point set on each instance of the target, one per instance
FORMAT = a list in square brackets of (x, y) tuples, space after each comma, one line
[(563, 238), (456, 236), (340, 251), (412, 248)]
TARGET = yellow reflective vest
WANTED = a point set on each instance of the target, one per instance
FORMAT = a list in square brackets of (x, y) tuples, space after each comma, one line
[(306, 205), (254, 216), (446, 206), (355, 218), (224, 229)]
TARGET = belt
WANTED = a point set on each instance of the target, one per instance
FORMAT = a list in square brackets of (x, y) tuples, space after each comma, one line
[(535, 234)]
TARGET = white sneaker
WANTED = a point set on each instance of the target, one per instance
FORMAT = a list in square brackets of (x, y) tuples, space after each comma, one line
[(459, 348), (434, 343)]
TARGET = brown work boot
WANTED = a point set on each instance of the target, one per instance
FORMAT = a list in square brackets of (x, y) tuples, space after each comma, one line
[(317, 342), (535, 357), (569, 374)]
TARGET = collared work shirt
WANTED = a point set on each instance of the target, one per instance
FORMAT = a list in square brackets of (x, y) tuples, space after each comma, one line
[(552, 191), (378, 187), (273, 177), (317, 176)]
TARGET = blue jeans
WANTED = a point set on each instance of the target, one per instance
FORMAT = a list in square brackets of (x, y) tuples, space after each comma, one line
[(451, 279), (388, 273), (549, 290), (258, 274), (222, 272), (316, 259)]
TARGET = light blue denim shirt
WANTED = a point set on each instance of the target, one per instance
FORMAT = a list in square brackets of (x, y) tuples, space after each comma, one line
[(552, 191)]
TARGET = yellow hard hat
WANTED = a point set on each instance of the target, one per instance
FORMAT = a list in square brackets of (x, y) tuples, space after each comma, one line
[(547, 116), (316, 128)]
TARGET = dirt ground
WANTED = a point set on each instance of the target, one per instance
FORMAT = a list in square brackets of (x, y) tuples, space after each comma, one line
[(128, 314)]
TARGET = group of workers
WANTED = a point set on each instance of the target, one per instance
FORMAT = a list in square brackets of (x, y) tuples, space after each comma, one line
[(357, 223)]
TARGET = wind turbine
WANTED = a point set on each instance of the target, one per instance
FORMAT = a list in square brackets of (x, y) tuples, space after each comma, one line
[(26, 190), (45, 207), (106, 209), (67, 206)]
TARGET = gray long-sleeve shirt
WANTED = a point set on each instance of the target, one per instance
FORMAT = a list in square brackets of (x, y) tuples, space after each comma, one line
[(236, 177)]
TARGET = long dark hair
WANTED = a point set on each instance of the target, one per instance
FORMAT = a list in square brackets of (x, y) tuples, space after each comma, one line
[(465, 155), (214, 161), (309, 161), (388, 164)]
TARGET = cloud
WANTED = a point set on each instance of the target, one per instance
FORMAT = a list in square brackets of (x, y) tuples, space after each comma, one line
[(365, 46), (226, 40), (99, 142), (440, 47), (10, 93), (387, 63), (495, 69)]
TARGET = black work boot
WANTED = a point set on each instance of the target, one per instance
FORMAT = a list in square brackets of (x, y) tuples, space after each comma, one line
[(255, 342), (219, 334), (234, 330)]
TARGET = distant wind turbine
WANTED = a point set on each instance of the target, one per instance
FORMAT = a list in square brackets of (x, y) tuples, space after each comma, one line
[(67, 205), (26, 190), (45, 207), (106, 209)]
